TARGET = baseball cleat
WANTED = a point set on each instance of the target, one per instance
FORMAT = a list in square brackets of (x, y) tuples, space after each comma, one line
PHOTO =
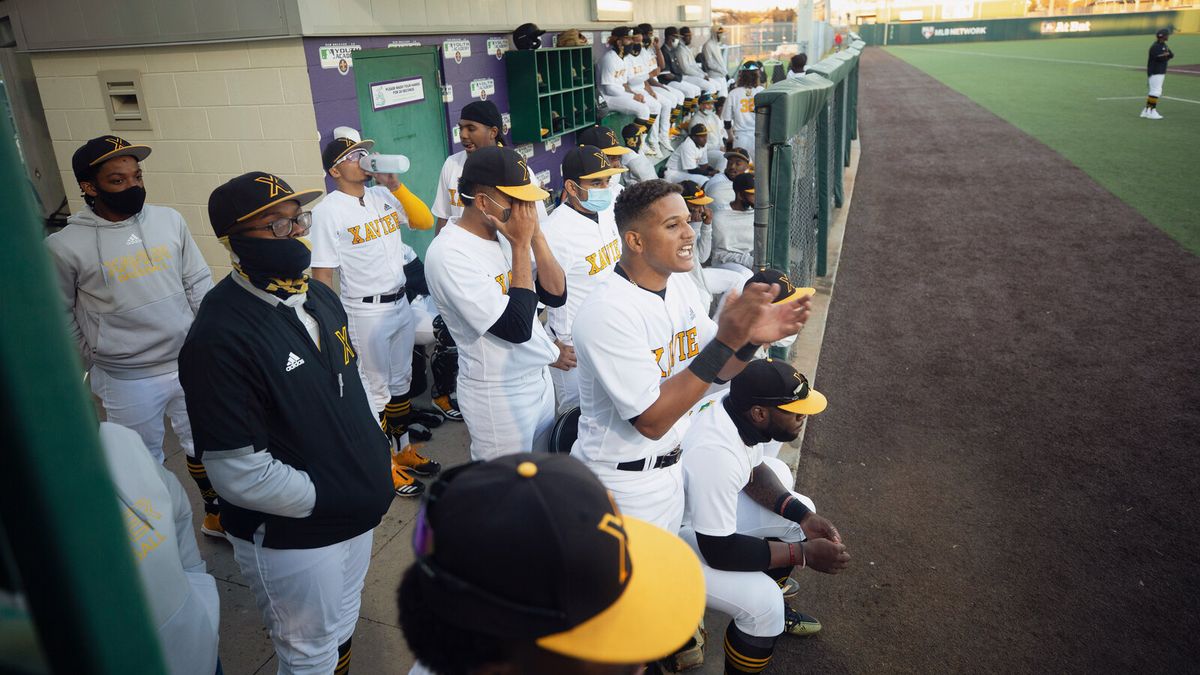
[(412, 460), (212, 527), (417, 432), (790, 587), (404, 484), (1153, 114), (448, 406), (427, 417), (802, 625), (1145, 113)]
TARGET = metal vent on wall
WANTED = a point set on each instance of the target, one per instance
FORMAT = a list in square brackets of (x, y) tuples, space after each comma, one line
[(125, 104)]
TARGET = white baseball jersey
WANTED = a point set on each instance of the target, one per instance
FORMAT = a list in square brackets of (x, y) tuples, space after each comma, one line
[(640, 168), (687, 156), (362, 240), (469, 279), (587, 251), (613, 72), (716, 129), (739, 109), (720, 188), (733, 233), (637, 71), (716, 465), (627, 341), (446, 202)]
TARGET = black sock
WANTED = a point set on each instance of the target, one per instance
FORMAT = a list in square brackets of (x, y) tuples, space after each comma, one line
[(396, 416), (343, 662), (746, 653), (207, 492)]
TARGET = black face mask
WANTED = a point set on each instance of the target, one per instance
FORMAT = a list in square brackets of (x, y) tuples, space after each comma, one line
[(646, 43), (127, 202), (274, 265), (635, 48)]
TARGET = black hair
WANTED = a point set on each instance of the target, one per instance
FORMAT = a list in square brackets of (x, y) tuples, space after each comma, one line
[(466, 189), (441, 647), (748, 78), (798, 62), (636, 198)]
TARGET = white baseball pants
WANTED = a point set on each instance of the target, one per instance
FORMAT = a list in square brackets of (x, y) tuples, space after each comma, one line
[(566, 389), (141, 404), (704, 83), (655, 496), (1156, 83), (688, 89), (624, 102), (752, 599), (744, 140), (504, 418), (383, 335), (424, 311), (309, 598)]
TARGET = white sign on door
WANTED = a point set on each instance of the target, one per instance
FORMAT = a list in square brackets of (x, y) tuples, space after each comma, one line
[(396, 92)]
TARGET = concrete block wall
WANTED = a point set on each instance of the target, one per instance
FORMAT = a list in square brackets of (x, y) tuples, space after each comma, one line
[(216, 111)]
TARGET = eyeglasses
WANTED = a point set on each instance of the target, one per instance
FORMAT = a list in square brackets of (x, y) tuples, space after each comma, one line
[(284, 227), (353, 156)]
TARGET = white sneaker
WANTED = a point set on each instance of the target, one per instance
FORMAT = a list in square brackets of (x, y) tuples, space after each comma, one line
[(1145, 113), (1153, 115)]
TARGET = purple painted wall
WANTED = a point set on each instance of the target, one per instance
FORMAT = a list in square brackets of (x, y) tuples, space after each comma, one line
[(336, 104)]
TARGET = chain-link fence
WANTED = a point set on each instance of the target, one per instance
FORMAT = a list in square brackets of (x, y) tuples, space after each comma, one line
[(804, 127)]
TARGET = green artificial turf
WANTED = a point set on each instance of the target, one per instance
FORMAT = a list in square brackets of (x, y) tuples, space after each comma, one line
[(1042, 88)]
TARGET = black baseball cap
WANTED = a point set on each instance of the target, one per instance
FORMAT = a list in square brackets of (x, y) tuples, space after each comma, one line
[(505, 170), (587, 161), (248, 195), (743, 182), (787, 291), (564, 568), (698, 128), (738, 153), (631, 132), (775, 383), (603, 138), (621, 31), (694, 194), (340, 147), (1162, 32), (671, 30), (101, 149), (643, 29)]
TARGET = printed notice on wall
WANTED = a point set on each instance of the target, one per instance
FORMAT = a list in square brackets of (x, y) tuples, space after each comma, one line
[(339, 56), (457, 49), (525, 150), (396, 92), (496, 46), (447, 93), (482, 88)]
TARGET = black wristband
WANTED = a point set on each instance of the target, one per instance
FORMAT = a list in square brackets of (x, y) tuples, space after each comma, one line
[(791, 508), (708, 363), (746, 353)]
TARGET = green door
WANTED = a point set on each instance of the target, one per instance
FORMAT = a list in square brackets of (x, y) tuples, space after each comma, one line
[(400, 105)]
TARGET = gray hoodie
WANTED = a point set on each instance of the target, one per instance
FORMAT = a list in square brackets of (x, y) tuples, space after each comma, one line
[(131, 288)]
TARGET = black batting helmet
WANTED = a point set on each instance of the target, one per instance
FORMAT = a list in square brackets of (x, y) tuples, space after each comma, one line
[(527, 36)]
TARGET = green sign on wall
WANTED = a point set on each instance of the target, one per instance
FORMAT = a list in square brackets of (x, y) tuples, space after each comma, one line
[(939, 32)]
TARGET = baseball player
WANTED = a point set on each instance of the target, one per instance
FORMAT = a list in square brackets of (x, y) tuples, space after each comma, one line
[(712, 282), (357, 233), (733, 228), (613, 79), (639, 64), (671, 74), (640, 168), (479, 126), (487, 271), (610, 594), (720, 186), (689, 68), (673, 99), (739, 110), (132, 278), (797, 66), (690, 159), (1156, 72), (744, 521), (706, 114), (647, 352), (614, 151), (442, 361), (714, 63), (284, 427), (181, 594), (582, 234)]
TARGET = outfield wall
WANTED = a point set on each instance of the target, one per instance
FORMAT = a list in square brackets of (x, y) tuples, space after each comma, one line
[(1091, 25)]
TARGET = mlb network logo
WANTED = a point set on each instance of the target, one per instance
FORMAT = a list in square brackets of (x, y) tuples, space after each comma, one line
[(927, 32)]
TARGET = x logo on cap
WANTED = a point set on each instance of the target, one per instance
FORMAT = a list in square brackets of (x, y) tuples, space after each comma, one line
[(272, 183), (603, 159), (117, 143)]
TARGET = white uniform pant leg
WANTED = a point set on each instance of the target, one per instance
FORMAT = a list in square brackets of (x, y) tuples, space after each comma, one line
[(688, 89), (309, 598), (139, 404), (177, 412), (383, 336), (744, 140), (625, 103), (674, 176), (716, 157), (755, 521), (504, 418), (1155, 84), (566, 389), (655, 496), (422, 326), (705, 84), (751, 599)]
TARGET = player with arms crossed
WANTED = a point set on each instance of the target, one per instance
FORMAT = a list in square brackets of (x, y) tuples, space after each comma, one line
[(487, 270), (744, 521)]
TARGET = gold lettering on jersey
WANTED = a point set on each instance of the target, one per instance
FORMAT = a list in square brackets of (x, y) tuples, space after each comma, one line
[(606, 256), (454, 200), (683, 346), (505, 281), (343, 336), (374, 229), (142, 535), (126, 267), (358, 239)]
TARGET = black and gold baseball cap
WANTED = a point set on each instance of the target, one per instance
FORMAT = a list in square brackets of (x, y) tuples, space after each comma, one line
[(587, 161), (698, 129), (565, 569), (744, 182), (775, 383), (249, 194), (694, 194), (340, 147), (738, 153), (603, 138), (101, 149), (632, 134), (505, 170), (787, 291)]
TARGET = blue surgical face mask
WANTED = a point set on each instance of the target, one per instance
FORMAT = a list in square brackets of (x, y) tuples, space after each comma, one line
[(597, 199)]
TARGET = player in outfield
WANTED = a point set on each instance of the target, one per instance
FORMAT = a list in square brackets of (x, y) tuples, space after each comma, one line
[(283, 426), (743, 519), (1156, 72)]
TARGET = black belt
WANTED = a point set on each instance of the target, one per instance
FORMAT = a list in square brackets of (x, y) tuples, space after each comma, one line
[(660, 462), (390, 297)]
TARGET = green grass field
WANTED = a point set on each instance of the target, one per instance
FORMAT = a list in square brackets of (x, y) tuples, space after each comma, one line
[(1082, 97)]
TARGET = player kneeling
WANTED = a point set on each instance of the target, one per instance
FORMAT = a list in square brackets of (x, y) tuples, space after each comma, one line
[(743, 519)]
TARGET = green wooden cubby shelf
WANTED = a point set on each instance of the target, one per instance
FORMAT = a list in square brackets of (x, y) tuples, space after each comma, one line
[(552, 89)]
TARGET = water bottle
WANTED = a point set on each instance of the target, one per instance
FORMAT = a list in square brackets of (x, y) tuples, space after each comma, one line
[(377, 163)]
